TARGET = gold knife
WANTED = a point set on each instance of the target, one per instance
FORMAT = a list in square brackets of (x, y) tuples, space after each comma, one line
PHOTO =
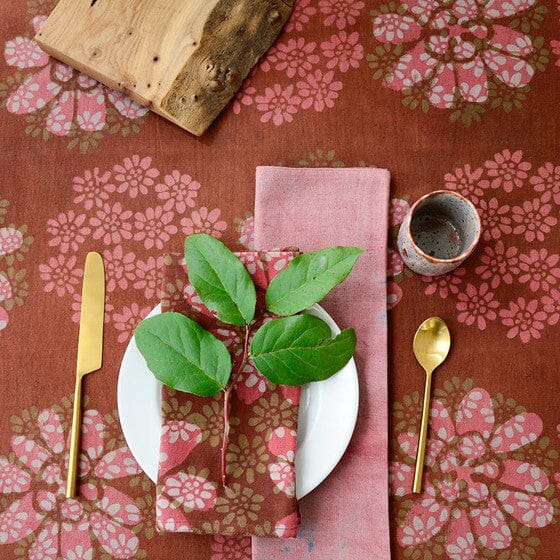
[(90, 353)]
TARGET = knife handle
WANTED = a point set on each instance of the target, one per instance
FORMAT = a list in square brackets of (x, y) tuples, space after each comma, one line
[(73, 458)]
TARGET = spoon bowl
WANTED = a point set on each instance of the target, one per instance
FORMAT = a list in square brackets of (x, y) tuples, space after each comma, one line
[(431, 345)]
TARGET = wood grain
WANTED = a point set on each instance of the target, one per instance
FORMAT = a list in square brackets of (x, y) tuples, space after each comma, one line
[(185, 59)]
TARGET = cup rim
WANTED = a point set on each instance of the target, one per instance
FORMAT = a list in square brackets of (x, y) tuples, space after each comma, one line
[(465, 254)]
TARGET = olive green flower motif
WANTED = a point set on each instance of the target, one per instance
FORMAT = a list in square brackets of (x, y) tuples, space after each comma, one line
[(172, 294), (270, 413), (384, 59), (529, 19), (539, 454), (173, 409), (240, 505), (467, 113), (539, 57), (19, 286), (523, 546), (211, 421), (416, 96), (505, 97), (245, 458), (26, 241), (321, 158)]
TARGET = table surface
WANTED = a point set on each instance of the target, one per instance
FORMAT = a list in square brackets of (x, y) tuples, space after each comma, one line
[(461, 96)]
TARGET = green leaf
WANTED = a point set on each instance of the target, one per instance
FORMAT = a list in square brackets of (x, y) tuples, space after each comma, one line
[(182, 355), (309, 278), (297, 350), (221, 280)]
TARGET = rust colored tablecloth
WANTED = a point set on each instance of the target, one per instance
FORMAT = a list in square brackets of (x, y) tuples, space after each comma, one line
[(460, 95)]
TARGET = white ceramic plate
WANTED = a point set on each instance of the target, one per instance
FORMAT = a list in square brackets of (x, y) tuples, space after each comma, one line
[(328, 412)]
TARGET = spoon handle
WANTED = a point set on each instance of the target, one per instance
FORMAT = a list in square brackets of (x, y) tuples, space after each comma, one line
[(417, 486)]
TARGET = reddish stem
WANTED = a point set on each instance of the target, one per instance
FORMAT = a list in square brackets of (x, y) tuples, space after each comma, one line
[(227, 401)]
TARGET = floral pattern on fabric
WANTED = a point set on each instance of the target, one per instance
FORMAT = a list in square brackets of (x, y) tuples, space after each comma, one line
[(463, 56), (103, 214), (14, 244), (297, 75), (487, 483), (36, 515), (260, 455), (58, 101)]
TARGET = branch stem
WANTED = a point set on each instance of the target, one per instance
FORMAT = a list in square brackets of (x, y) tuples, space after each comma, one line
[(227, 402)]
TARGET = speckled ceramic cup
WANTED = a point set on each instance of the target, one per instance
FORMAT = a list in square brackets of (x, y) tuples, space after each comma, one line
[(439, 232)]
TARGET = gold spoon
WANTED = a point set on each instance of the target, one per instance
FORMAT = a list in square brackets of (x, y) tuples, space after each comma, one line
[(431, 345)]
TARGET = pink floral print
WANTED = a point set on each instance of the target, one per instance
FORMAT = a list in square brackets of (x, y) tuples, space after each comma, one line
[(507, 170), (533, 219), (60, 275), (539, 269), (498, 264), (278, 104), (453, 55), (395, 265), (478, 486), (133, 243), (246, 230), (343, 51), (548, 180), (551, 306), (11, 240), (466, 181), (178, 191), (204, 221), (445, 284), (135, 175), (476, 306), (319, 90), (398, 209), (302, 12), (69, 100), (341, 13), (494, 218), (524, 319), (50, 525), (394, 294), (296, 57)]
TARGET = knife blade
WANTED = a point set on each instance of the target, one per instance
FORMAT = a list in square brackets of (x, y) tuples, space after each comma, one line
[(90, 352)]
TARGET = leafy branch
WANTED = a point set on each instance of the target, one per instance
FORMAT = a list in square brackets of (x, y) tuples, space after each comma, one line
[(293, 349)]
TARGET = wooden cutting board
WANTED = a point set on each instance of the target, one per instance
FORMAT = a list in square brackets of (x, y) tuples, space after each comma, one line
[(185, 59)]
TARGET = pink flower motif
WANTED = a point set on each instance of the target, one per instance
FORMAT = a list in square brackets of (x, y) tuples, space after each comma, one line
[(508, 170), (525, 319), (135, 175), (494, 219), (467, 182), (296, 57), (475, 488), (300, 16), (394, 294), (191, 491), (92, 188), (127, 320), (283, 475), (59, 527), (68, 231), (154, 227), (250, 385), (398, 209), (111, 223), (476, 304), (533, 219), (555, 46), (395, 265), (11, 240), (445, 284), (498, 264), (5, 288), (548, 180), (455, 48), (342, 13), (73, 98), (244, 96), (204, 221), (148, 276), (343, 51), (551, 305), (230, 548), (60, 275), (278, 104), (178, 190), (119, 268), (319, 90), (539, 269)]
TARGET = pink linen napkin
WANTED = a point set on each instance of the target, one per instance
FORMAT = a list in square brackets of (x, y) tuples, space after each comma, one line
[(347, 515), (260, 495)]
